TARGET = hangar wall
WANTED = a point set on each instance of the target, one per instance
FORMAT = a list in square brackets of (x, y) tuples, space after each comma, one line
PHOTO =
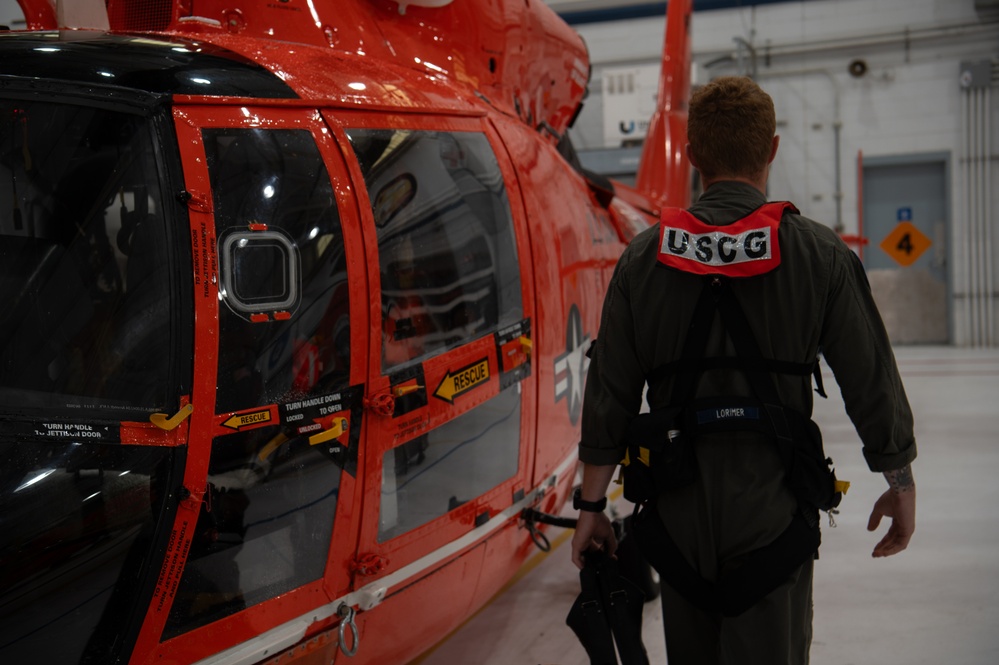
[(903, 102), (11, 14)]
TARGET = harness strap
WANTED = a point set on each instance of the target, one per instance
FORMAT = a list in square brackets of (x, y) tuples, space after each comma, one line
[(760, 571), (694, 344), (817, 374), (764, 569), (686, 364), (717, 296), (747, 347)]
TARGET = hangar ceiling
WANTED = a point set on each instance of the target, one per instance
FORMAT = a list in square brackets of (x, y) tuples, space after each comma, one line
[(586, 5), (591, 11), (582, 5)]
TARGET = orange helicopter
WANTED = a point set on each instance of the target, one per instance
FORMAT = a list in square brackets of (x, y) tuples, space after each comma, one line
[(297, 295)]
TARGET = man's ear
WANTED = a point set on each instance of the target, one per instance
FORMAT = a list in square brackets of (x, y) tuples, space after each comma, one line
[(690, 155), (773, 148)]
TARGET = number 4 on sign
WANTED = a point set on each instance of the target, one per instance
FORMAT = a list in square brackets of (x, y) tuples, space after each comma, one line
[(905, 243)]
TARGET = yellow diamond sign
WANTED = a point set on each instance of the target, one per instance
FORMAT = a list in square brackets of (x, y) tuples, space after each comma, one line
[(905, 243)]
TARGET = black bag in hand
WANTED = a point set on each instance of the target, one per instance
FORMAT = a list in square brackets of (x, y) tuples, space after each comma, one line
[(608, 611)]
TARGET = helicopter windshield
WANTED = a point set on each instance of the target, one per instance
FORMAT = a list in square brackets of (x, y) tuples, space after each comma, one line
[(87, 341), (83, 261)]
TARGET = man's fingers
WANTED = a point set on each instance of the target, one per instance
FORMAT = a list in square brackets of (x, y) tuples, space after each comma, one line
[(893, 543), (874, 520), (883, 548), (581, 544), (887, 549)]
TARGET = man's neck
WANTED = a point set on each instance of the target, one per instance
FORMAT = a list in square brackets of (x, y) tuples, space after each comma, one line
[(759, 183)]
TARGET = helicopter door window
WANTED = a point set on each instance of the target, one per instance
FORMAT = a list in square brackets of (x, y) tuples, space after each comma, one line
[(449, 276), (284, 320), (462, 459), (272, 500), (446, 246), (266, 525)]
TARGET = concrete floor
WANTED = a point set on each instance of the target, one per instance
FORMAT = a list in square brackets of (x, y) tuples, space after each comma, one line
[(937, 602)]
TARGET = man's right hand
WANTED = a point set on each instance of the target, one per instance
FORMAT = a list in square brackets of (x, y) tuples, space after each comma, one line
[(900, 506), (594, 531)]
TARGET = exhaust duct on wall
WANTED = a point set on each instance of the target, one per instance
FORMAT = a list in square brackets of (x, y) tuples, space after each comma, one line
[(977, 274)]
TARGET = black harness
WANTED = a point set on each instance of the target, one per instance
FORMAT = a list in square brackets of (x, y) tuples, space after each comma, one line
[(661, 456)]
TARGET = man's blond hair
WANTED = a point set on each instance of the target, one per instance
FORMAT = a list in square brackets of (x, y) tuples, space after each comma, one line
[(730, 127)]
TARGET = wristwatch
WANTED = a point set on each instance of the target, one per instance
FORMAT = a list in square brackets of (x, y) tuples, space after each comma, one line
[(588, 506)]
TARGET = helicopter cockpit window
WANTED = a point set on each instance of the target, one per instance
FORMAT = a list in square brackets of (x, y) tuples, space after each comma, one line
[(79, 521), (267, 521), (88, 318), (446, 247)]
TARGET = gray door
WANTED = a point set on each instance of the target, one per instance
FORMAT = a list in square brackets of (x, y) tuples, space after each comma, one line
[(905, 220)]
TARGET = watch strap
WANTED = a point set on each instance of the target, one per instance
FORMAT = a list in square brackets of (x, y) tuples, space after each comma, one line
[(590, 506)]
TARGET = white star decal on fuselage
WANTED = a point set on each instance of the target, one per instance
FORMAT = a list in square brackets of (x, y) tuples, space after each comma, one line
[(571, 366)]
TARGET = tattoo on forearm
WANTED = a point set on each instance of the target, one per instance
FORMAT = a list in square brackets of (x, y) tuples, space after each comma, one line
[(900, 480)]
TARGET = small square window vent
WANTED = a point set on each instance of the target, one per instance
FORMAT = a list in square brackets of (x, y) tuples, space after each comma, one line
[(260, 273)]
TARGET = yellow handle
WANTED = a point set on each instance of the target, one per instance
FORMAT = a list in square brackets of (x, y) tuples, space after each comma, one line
[(340, 426), (399, 391), (271, 446), (168, 423)]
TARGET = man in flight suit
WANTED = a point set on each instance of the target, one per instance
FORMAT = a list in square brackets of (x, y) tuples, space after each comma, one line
[(812, 297)]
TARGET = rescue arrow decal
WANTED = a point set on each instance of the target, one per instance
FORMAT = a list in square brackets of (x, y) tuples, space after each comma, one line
[(465, 379), (242, 421)]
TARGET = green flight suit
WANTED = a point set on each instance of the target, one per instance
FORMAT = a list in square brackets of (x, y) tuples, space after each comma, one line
[(818, 299)]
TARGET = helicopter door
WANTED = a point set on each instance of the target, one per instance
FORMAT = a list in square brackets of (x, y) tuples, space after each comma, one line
[(278, 292), (449, 427)]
